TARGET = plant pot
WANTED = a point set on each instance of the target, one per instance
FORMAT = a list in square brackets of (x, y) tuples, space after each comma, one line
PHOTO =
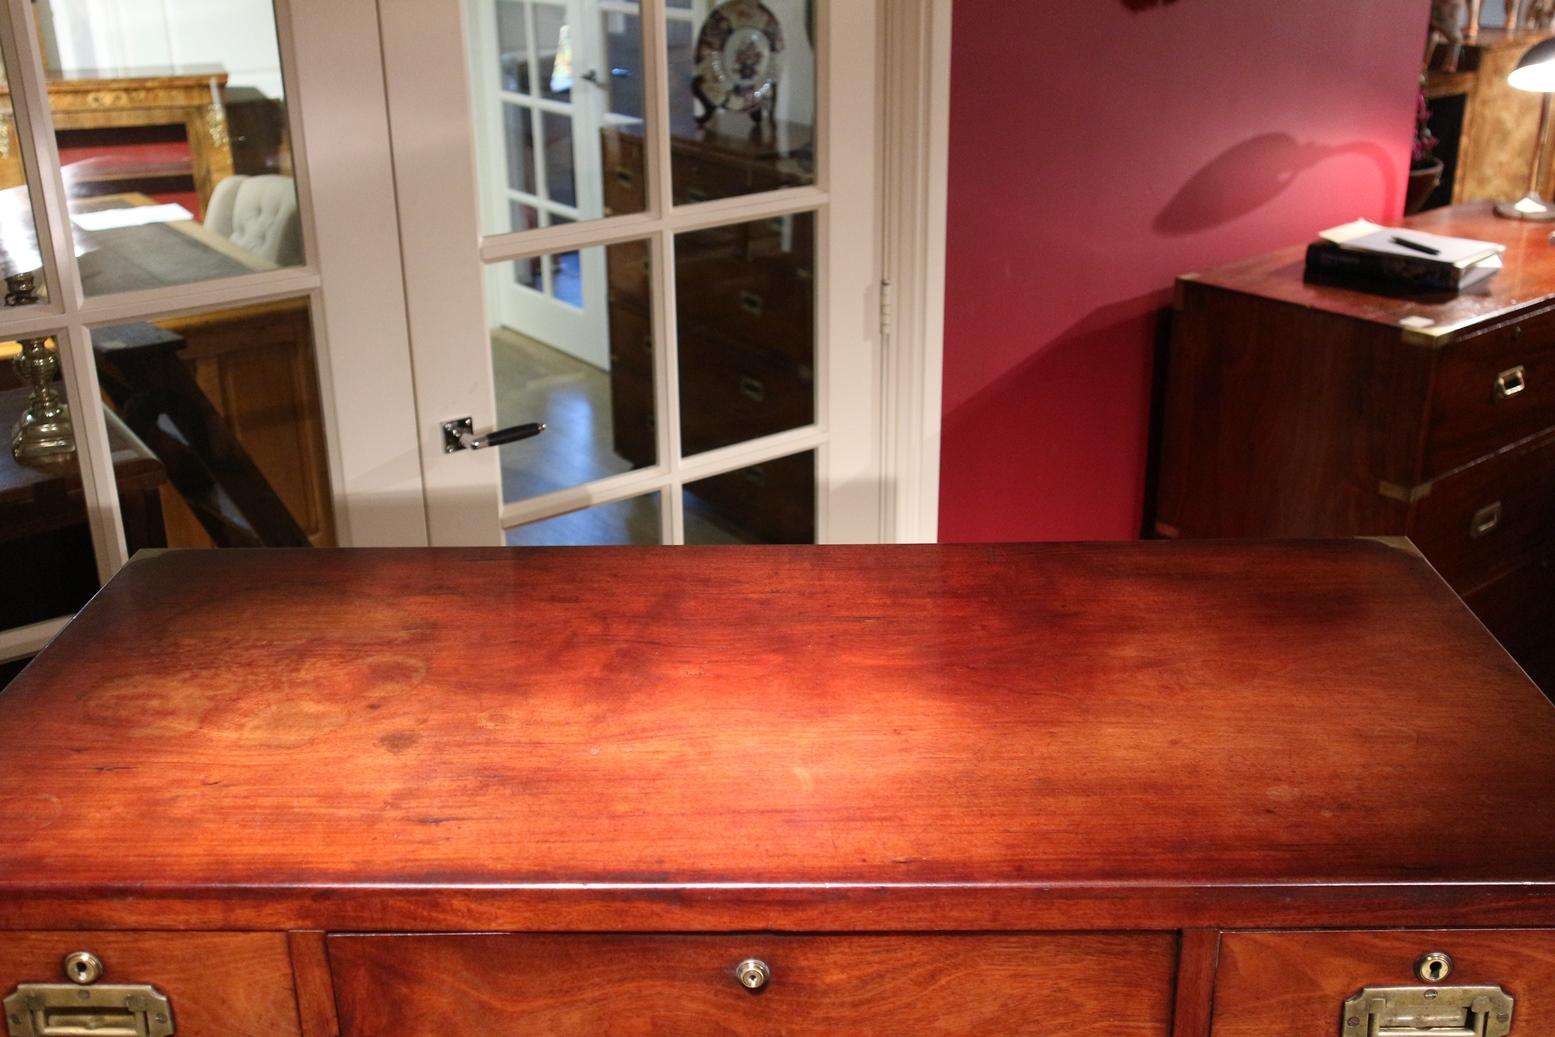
[(1422, 181)]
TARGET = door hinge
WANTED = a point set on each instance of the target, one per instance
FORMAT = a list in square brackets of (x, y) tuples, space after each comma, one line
[(887, 308)]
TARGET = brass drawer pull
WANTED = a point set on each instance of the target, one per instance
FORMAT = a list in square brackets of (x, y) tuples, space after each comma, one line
[(624, 177), (1485, 520), (1427, 1012), (1511, 382), (753, 389), (82, 1006), (752, 973), (695, 195), (752, 303)]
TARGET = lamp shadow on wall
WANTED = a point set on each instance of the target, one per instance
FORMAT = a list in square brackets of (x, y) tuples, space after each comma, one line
[(1251, 174)]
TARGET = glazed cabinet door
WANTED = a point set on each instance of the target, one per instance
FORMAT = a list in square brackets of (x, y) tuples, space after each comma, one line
[(798, 986)]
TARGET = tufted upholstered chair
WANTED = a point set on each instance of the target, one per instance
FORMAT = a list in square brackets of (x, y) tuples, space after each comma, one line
[(258, 213)]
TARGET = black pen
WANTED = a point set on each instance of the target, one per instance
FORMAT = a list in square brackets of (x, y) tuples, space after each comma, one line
[(1427, 249)]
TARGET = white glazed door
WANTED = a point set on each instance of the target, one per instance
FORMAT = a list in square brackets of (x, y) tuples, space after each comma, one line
[(654, 229)]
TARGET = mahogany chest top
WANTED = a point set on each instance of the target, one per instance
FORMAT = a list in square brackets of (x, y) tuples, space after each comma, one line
[(1160, 735)]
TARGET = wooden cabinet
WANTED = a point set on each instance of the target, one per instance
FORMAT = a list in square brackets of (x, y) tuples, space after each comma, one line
[(1296, 409), (119, 116), (1104, 790), (1486, 129), (746, 322)]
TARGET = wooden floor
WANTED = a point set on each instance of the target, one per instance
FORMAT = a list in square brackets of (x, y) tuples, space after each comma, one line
[(535, 382)]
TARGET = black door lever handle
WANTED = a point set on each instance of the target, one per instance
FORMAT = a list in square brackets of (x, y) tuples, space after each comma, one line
[(459, 434)]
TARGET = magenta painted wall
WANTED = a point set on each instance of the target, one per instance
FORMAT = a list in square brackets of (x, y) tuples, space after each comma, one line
[(1097, 150)]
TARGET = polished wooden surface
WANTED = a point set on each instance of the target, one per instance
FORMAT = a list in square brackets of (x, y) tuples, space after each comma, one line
[(1067, 736), (227, 984), (1294, 984), (1527, 279), (1301, 410), (580, 986)]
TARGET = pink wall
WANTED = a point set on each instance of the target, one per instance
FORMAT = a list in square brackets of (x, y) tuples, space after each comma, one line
[(1098, 149)]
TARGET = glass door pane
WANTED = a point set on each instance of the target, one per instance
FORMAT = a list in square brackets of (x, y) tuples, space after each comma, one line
[(173, 140), (551, 83)]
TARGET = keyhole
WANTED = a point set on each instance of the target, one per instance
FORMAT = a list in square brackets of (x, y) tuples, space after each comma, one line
[(1433, 967), (81, 971)]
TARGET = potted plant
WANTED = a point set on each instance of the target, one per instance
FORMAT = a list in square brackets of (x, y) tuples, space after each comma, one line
[(1425, 169)]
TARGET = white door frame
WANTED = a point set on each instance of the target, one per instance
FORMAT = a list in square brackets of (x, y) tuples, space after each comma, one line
[(352, 280), (915, 56), (446, 260)]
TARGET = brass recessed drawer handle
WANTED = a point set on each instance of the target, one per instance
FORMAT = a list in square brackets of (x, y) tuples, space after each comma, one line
[(1427, 1012), (83, 1006), (753, 389), (752, 973), (1511, 382), (1485, 520), (624, 177), (752, 303)]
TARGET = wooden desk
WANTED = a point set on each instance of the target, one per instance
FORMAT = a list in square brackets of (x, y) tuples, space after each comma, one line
[(256, 363), (1301, 410), (1090, 789), (104, 99)]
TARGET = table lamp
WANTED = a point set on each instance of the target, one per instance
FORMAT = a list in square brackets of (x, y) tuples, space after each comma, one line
[(1536, 74)]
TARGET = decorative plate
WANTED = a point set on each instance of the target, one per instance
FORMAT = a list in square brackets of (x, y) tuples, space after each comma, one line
[(739, 56)]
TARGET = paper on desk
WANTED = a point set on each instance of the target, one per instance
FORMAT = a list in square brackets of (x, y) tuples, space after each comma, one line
[(1349, 231), (130, 216)]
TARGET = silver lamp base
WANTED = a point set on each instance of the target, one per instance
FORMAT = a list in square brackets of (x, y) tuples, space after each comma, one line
[(1529, 207)]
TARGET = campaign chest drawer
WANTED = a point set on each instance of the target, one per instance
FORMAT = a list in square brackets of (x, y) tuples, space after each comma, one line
[(1489, 517), (1296, 984), (570, 986), (215, 984), (1491, 390)]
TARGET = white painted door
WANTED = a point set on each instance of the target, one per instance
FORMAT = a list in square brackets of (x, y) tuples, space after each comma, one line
[(714, 375)]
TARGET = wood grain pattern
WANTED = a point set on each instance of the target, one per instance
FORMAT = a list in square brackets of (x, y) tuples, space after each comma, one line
[(1294, 984), (315, 988), (1198, 956), (571, 986), (219, 984), (1301, 410), (1117, 735), (1528, 277)]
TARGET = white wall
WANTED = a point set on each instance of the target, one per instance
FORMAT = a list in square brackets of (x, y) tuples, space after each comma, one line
[(238, 35)]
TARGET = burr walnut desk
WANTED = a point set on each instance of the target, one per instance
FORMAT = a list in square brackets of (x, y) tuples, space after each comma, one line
[(1248, 790)]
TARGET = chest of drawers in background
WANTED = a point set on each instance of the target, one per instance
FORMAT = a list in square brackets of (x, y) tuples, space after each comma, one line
[(745, 325), (1303, 410)]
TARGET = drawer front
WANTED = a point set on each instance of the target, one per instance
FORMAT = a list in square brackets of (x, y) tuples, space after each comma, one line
[(218, 984), (766, 302), (1296, 984), (1489, 517), (561, 986), (631, 340), (628, 267), (731, 392), (1490, 391), (632, 420), (772, 502), (1519, 609)]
